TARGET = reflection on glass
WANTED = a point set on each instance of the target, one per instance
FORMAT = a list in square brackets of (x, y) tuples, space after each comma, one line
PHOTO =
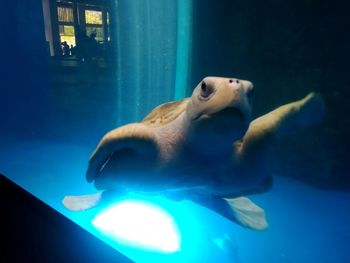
[(97, 30), (67, 34), (93, 17), (65, 14)]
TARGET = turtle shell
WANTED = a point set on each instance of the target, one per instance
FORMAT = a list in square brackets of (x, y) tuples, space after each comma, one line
[(165, 113)]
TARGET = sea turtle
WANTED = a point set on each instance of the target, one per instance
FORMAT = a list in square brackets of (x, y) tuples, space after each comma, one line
[(203, 148)]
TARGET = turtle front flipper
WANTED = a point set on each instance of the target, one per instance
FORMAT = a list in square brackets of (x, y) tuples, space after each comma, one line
[(131, 144), (286, 118)]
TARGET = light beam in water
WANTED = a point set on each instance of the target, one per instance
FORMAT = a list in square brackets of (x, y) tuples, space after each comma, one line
[(183, 49)]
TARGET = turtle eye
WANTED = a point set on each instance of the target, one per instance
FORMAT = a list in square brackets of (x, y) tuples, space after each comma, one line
[(206, 90)]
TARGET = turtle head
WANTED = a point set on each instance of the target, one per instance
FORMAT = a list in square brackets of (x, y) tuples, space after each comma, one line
[(220, 108)]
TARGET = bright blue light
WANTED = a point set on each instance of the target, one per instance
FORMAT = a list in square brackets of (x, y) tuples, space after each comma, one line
[(140, 224)]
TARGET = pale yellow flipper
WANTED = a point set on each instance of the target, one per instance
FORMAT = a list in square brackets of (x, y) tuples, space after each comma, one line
[(81, 202), (247, 213)]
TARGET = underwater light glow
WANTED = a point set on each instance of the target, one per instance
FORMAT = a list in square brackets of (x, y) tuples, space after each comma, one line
[(139, 223)]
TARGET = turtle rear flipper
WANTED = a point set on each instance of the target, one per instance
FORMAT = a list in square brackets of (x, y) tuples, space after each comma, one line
[(81, 202), (247, 213), (240, 210)]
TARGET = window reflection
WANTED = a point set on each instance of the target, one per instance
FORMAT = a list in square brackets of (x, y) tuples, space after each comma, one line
[(79, 29)]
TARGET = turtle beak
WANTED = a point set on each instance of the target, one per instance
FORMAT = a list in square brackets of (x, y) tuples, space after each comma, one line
[(249, 90), (243, 99)]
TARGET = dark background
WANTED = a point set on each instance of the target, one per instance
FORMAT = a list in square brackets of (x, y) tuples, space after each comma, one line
[(287, 48)]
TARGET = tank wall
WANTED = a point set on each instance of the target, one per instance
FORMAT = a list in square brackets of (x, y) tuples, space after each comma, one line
[(24, 75)]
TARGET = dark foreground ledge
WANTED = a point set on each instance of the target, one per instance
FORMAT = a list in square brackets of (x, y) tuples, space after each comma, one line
[(31, 231)]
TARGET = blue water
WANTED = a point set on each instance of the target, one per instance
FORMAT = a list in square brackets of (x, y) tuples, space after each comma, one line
[(49, 124), (305, 224)]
